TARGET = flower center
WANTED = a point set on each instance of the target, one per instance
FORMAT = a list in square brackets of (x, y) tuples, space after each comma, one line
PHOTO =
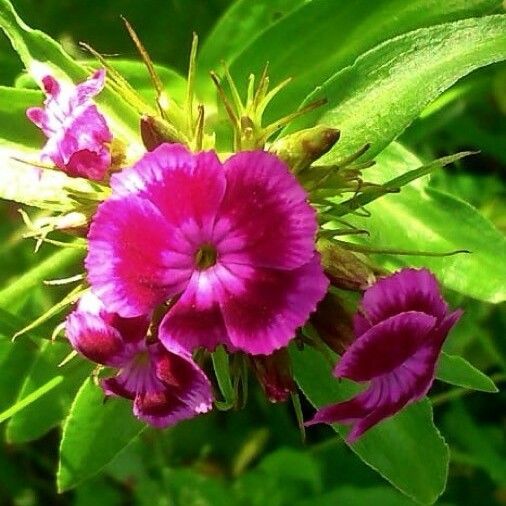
[(205, 256)]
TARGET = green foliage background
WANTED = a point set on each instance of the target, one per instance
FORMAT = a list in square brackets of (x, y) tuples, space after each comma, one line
[(256, 457)]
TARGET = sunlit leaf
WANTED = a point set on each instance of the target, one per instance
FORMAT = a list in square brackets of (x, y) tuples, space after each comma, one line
[(392, 443), (93, 433), (378, 96)]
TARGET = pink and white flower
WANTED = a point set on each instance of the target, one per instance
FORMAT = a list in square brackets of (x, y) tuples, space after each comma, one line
[(77, 133), (231, 245)]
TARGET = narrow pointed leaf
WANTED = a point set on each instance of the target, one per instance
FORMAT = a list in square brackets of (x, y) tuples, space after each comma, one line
[(377, 97), (54, 265), (15, 128), (458, 371), (30, 398), (420, 218), (322, 37), (46, 412)]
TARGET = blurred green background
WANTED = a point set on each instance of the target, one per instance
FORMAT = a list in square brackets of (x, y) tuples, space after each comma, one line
[(256, 457)]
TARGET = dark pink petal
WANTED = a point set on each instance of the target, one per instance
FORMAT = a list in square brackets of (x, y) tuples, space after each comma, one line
[(37, 116), (386, 346), (406, 290), (137, 375), (167, 386), (346, 412), (264, 219), (196, 319), (175, 368), (396, 349), (135, 259), (446, 325), (95, 339), (186, 188), (264, 314), (385, 396), (51, 86)]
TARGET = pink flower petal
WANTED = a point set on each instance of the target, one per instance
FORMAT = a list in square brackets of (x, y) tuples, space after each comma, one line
[(135, 259), (264, 219), (406, 290), (196, 319), (272, 305), (386, 346), (78, 135), (97, 341), (86, 90), (186, 188)]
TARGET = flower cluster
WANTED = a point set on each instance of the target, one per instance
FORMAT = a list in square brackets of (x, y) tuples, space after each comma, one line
[(191, 250)]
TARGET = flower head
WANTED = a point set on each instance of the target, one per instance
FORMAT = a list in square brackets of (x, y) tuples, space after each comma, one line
[(164, 382), (77, 133), (231, 244), (400, 330)]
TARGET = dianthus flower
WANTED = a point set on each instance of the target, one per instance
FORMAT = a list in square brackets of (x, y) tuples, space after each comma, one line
[(163, 381), (231, 245), (78, 135), (400, 330)]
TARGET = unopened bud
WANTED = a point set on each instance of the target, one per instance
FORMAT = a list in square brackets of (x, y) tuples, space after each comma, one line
[(301, 149), (156, 131), (344, 269), (333, 323), (274, 373)]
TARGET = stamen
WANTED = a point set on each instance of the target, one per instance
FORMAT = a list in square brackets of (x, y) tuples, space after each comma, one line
[(206, 256)]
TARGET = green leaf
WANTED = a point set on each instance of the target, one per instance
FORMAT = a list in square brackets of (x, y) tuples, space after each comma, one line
[(396, 183), (393, 447), (41, 416), (15, 361), (360, 496), (480, 445), (420, 218), (30, 398), (14, 125), (378, 96), (241, 24), (10, 324), (43, 188), (53, 265), (93, 434), (320, 38), (458, 371), (35, 48)]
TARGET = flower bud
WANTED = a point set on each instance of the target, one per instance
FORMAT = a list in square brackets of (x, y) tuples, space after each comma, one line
[(333, 323), (344, 269), (301, 149), (274, 373), (155, 131)]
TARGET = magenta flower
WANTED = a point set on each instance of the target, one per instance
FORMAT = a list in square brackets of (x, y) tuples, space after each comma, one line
[(232, 246), (164, 382), (400, 329), (78, 135)]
